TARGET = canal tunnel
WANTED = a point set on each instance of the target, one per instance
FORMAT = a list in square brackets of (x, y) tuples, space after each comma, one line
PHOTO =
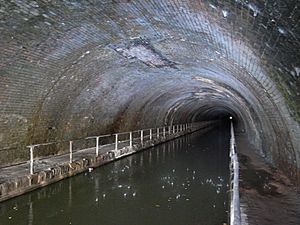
[(72, 69)]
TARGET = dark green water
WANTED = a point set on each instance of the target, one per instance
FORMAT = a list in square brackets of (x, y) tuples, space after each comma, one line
[(183, 182)]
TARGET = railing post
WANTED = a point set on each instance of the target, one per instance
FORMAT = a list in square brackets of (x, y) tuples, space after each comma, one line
[(97, 146), (130, 139), (142, 137), (177, 129), (71, 151), (31, 159), (173, 129), (157, 132), (164, 132), (150, 134), (169, 129), (116, 142)]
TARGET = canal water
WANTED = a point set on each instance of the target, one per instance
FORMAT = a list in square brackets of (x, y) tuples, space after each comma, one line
[(182, 182)]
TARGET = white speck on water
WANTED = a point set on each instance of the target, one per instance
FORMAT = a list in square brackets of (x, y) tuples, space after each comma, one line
[(281, 30), (225, 13), (293, 73), (254, 9), (297, 70), (212, 6)]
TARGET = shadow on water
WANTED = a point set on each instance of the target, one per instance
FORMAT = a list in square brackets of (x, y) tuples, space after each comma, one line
[(180, 182)]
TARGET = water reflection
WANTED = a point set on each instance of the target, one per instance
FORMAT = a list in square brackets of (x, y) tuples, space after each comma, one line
[(181, 182)]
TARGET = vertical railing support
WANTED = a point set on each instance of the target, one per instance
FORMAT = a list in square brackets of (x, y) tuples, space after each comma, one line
[(116, 142), (173, 129), (31, 148), (71, 151), (97, 146), (157, 132), (150, 134), (164, 132), (130, 139), (142, 137), (169, 130)]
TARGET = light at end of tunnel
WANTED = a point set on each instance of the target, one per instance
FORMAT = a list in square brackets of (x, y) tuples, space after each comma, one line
[(230, 117)]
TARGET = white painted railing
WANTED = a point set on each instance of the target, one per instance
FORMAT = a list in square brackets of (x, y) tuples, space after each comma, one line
[(124, 139), (235, 213)]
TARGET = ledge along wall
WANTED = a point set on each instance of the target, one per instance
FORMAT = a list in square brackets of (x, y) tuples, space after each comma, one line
[(72, 69)]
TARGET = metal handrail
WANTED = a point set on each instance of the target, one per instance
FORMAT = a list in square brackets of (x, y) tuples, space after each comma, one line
[(235, 212), (154, 133), (160, 132)]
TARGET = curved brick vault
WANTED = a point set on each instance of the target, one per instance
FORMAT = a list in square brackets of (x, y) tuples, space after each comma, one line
[(70, 69)]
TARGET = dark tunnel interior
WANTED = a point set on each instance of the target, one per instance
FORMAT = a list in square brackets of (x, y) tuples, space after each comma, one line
[(71, 69)]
